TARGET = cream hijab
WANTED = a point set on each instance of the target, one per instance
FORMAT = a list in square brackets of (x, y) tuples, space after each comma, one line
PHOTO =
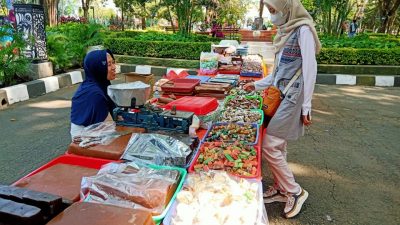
[(298, 16)]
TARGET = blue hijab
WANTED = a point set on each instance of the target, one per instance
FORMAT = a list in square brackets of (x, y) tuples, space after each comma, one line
[(91, 104)]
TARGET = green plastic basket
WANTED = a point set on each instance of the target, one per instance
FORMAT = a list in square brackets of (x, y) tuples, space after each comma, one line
[(158, 219), (228, 98)]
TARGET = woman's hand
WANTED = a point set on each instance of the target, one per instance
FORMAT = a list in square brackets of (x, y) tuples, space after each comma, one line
[(249, 87), (306, 120)]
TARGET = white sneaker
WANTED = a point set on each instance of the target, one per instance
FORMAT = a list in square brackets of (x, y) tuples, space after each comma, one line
[(274, 195), (294, 203)]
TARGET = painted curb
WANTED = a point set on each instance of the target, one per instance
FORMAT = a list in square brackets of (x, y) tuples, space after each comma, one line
[(3, 99), (35, 88)]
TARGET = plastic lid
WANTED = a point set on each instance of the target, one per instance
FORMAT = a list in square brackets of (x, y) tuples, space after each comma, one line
[(198, 105)]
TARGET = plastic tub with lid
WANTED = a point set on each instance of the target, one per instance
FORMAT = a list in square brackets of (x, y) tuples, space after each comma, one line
[(198, 105)]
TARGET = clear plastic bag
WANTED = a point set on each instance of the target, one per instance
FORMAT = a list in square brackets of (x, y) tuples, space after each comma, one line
[(207, 120), (208, 63), (131, 186), (157, 149), (100, 133), (218, 198)]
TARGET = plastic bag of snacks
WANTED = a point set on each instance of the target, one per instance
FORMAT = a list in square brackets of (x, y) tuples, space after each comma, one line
[(217, 198), (208, 63)]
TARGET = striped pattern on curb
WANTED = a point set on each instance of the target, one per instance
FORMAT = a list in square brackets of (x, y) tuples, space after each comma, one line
[(25, 91), (32, 89), (364, 80)]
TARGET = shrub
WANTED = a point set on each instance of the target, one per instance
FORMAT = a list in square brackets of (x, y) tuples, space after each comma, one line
[(13, 62), (351, 56), (67, 43), (360, 41), (157, 49), (161, 36)]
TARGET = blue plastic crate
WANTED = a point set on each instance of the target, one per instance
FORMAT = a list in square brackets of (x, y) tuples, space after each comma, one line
[(251, 74)]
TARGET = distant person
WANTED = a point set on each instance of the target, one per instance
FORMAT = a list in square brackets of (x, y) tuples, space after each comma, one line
[(91, 103), (353, 28), (345, 27), (216, 30)]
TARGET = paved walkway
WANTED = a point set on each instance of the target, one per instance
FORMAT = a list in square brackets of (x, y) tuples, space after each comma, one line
[(348, 160)]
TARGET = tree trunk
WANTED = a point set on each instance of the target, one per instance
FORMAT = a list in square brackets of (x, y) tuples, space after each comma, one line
[(122, 16), (387, 12), (261, 8), (144, 18), (85, 8), (171, 19), (330, 21), (51, 6)]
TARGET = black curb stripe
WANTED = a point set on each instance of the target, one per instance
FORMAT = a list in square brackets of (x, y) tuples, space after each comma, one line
[(36, 88), (64, 80)]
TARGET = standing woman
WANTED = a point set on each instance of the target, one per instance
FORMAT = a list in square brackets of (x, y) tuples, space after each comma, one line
[(90, 103), (296, 45)]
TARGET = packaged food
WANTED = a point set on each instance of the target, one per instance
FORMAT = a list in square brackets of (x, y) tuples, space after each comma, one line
[(61, 179), (83, 213), (243, 102), (232, 132), (218, 199), (208, 63), (238, 115), (236, 158), (132, 186), (157, 149)]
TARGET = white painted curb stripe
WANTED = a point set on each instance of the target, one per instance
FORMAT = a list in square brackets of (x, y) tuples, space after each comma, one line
[(384, 81), (17, 93), (51, 84), (76, 77), (143, 69), (346, 79), (117, 68)]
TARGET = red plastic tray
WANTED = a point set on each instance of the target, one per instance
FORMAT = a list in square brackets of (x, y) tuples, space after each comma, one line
[(180, 85), (198, 105), (88, 162), (257, 176)]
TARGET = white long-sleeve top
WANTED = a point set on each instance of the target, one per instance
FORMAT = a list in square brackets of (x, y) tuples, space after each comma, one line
[(309, 68)]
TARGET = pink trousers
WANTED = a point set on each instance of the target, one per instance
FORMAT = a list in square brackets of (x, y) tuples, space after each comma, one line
[(274, 151)]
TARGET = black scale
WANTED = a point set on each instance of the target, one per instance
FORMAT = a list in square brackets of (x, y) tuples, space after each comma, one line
[(152, 118)]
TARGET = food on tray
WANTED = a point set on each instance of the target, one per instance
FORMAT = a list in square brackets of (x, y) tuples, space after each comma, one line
[(240, 91), (252, 64), (234, 158), (62, 179), (216, 198), (238, 115), (128, 185), (113, 150), (232, 132), (243, 102), (85, 213)]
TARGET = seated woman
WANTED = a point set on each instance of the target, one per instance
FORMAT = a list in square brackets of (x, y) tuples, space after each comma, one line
[(90, 103)]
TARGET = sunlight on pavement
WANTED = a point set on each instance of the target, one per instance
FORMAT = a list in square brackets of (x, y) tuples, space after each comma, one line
[(310, 171), (56, 104)]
